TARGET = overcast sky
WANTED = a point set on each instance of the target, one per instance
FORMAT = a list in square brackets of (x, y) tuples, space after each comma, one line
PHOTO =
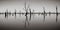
[(37, 5)]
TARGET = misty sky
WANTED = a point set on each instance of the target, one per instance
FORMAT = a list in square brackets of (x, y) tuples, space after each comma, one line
[(37, 5)]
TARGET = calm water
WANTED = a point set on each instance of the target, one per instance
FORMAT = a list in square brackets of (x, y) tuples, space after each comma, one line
[(30, 22)]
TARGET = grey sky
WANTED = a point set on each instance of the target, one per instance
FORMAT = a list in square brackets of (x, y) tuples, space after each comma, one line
[(34, 4)]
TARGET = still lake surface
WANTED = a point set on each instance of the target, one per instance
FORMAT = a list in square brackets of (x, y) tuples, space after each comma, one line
[(30, 22)]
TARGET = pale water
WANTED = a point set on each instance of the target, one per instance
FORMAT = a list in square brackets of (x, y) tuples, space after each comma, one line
[(30, 22)]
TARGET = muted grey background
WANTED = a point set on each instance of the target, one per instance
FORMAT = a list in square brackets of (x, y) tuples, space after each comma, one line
[(37, 21)]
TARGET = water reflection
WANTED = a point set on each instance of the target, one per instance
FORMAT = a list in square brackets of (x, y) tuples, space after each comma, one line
[(26, 15), (29, 18)]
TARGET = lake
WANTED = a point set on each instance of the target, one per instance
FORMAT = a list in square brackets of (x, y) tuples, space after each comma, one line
[(30, 22)]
